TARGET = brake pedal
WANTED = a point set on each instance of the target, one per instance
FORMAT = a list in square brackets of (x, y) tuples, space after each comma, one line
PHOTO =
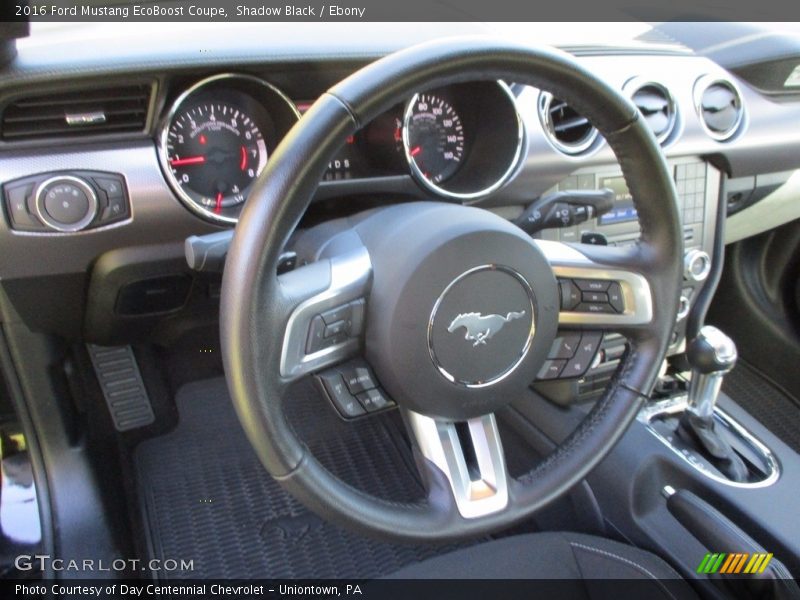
[(122, 386)]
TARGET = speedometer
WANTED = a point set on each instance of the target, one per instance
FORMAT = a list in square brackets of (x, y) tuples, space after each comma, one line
[(433, 136), (215, 150)]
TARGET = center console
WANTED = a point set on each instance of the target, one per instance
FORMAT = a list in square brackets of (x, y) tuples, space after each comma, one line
[(695, 473)]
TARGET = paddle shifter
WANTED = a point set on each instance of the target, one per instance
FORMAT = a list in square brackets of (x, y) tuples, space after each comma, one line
[(711, 354)]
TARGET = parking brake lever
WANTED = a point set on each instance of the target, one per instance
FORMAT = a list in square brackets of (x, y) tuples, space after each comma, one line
[(564, 209)]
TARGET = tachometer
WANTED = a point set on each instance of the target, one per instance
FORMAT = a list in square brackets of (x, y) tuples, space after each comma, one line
[(433, 137), (215, 150), (216, 138)]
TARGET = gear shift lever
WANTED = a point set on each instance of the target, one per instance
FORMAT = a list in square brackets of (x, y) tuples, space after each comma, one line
[(711, 354)]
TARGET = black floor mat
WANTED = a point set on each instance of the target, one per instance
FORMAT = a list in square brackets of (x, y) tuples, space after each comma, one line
[(777, 411), (208, 499)]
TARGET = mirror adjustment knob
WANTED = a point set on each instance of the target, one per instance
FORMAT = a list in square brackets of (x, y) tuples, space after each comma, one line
[(66, 203)]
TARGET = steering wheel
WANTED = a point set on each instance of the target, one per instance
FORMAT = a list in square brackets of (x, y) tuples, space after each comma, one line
[(420, 266)]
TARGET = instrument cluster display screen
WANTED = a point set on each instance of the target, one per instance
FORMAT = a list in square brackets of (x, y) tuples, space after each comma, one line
[(623, 210)]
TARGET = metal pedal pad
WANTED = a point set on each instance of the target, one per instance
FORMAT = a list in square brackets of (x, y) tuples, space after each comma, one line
[(122, 386)]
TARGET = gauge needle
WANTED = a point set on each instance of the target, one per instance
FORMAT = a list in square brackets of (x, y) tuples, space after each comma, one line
[(218, 207), (415, 150), (192, 160)]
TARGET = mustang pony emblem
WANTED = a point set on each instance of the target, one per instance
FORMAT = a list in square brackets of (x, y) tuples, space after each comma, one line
[(480, 328)]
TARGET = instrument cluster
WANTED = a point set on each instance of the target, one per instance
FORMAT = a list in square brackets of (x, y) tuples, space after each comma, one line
[(461, 142)]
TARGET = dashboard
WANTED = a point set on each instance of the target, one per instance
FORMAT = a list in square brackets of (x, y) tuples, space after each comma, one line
[(106, 171)]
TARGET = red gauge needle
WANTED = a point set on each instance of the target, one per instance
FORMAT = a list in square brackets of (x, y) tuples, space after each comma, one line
[(218, 206), (192, 160), (415, 150)]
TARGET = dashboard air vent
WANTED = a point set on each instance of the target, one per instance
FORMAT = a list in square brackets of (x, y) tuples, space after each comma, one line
[(720, 107), (569, 131), (656, 105), (78, 113)]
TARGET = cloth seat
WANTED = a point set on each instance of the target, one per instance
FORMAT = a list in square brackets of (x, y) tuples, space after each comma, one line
[(581, 559)]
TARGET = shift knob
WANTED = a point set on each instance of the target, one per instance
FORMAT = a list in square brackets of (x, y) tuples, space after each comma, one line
[(711, 354), (711, 351)]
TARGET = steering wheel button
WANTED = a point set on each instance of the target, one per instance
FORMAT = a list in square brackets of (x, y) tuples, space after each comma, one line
[(577, 366), (358, 378), (335, 329), (594, 308), (337, 392), (373, 400), (357, 317), (316, 335), (551, 369), (615, 298), (595, 297), (592, 285), (570, 294), (565, 345), (340, 313)]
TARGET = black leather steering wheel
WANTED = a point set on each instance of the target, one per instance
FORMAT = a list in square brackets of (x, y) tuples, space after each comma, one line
[(420, 265)]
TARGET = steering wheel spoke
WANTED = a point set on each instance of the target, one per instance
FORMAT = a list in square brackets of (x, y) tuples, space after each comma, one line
[(598, 295), (327, 306), (470, 455)]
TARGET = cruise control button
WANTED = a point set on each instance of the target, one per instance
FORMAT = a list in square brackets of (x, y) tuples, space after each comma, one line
[(551, 369), (586, 307), (577, 366), (358, 378), (570, 294), (592, 285), (347, 404), (340, 313), (615, 298), (564, 346), (316, 335), (373, 400), (334, 328)]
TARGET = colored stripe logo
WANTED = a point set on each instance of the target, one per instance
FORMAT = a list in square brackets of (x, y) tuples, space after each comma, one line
[(733, 563)]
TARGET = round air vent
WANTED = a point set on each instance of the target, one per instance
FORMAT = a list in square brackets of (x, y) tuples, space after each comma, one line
[(719, 105), (656, 105), (569, 131)]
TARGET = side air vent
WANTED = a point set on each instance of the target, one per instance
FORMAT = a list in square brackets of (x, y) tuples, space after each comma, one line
[(719, 106), (77, 113), (656, 105), (569, 131)]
